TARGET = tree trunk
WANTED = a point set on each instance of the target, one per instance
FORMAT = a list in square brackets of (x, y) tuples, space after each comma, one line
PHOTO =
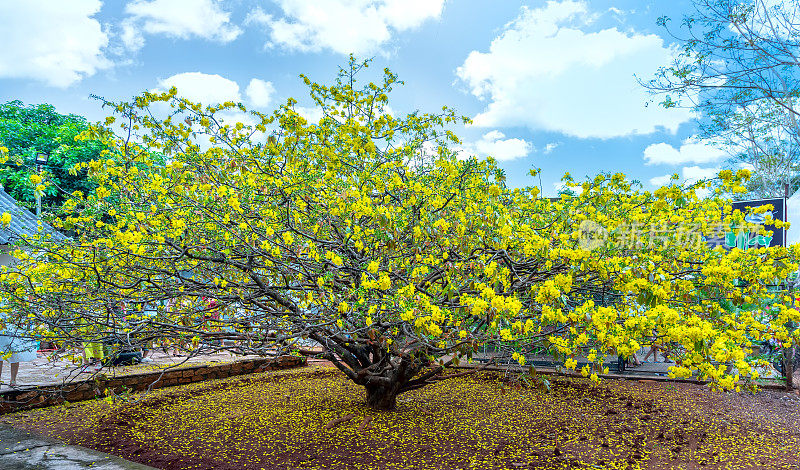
[(788, 366), (382, 398)]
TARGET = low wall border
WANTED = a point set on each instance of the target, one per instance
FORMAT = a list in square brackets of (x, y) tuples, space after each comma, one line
[(47, 395)]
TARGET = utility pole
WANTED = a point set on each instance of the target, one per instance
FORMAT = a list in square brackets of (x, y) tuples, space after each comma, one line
[(41, 160)]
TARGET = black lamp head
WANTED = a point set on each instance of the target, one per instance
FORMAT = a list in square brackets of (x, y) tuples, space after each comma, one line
[(41, 158)]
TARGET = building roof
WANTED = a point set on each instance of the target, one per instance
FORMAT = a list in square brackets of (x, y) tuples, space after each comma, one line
[(23, 222)]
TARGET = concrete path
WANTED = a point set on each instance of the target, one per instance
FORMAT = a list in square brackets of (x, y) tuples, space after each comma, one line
[(643, 370), (20, 450), (46, 371)]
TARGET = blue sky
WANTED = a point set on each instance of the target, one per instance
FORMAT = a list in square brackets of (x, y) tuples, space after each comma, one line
[(548, 84)]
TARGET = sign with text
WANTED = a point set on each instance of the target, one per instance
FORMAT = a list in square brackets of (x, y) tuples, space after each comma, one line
[(747, 236)]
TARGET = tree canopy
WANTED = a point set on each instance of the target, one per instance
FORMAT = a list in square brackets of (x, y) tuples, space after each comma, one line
[(366, 234), (738, 67), (26, 131)]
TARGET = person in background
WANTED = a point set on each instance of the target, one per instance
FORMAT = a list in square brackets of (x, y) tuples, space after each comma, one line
[(182, 312), (211, 319), (15, 348), (92, 350), (93, 355), (149, 314)]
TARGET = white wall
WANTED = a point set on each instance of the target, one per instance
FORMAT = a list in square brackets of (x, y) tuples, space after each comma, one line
[(5, 258), (793, 217)]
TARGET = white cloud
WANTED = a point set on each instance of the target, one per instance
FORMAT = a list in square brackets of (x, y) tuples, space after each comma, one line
[(694, 173), (260, 93), (550, 147), (408, 14), (211, 90), (55, 42), (312, 114), (495, 144), (690, 151), (659, 181), (182, 19), (547, 70), (198, 87), (689, 174), (131, 36), (343, 26)]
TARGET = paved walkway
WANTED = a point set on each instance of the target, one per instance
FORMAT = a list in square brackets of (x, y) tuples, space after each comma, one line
[(20, 450), (44, 371), (643, 370)]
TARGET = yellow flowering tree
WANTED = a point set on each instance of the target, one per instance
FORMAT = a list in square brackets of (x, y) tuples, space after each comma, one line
[(365, 234)]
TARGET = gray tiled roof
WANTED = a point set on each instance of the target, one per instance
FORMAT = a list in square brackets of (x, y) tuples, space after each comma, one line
[(23, 222)]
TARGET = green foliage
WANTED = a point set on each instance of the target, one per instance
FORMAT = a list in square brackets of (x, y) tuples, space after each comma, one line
[(28, 130), (736, 67)]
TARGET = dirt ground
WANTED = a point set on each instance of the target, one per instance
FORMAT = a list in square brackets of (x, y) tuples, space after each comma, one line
[(315, 418)]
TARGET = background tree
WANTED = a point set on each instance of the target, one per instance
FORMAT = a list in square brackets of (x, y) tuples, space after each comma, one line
[(364, 235), (738, 67), (28, 130)]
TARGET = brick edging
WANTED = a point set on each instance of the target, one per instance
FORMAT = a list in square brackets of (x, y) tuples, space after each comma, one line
[(48, 395)]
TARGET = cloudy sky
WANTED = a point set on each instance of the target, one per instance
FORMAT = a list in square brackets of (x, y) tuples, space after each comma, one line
[(550, 84)]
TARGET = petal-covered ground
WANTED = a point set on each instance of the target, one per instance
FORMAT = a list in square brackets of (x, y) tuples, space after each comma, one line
[(315, 418)]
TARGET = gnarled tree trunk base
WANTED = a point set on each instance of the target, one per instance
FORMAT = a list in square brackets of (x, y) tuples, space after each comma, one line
[(382, 398)]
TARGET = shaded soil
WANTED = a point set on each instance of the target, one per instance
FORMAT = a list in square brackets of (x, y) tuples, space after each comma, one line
[(315, 418)]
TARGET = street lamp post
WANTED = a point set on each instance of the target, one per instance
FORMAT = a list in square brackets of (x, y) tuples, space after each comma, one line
[(41, 160)]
